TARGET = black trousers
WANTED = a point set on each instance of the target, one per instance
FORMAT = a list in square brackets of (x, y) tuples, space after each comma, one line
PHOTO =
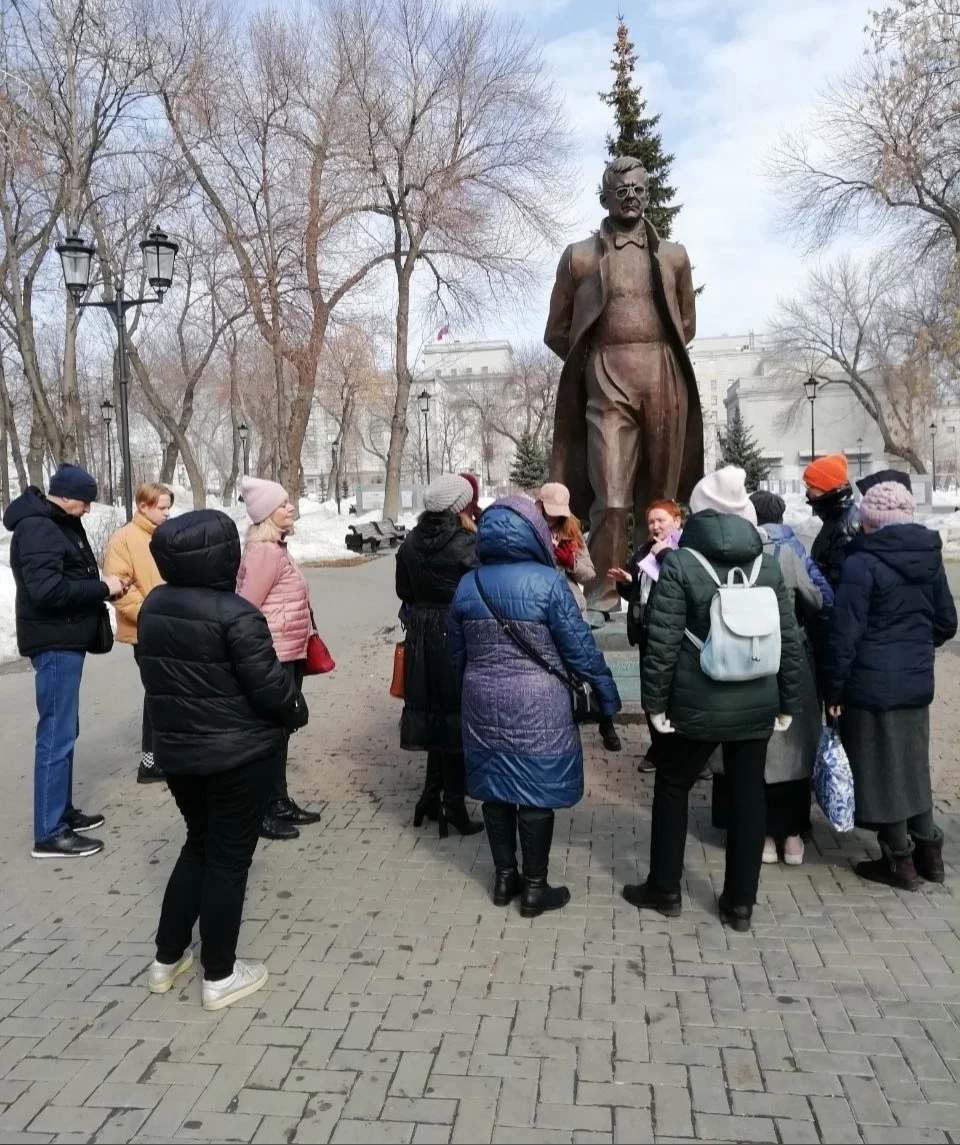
[(677, 771), (146, 729), (294, 669), (223, 813)]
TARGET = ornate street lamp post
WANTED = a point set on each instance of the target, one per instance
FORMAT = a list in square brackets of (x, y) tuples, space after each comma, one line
[(423, 401), (106, 412), (159, 252)]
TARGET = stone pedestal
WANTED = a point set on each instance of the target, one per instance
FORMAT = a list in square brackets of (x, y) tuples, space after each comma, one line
[(624, 662)]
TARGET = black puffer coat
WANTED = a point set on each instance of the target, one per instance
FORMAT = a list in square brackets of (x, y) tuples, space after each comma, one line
[(431, 562), (840, 525), (216, 693), (59, 590), (672, 679)]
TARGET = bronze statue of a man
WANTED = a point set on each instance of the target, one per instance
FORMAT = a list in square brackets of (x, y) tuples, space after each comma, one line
[(628, 427)]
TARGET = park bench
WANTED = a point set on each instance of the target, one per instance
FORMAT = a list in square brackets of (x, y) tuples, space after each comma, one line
[(374, 534), (391, 533), (360, 536)]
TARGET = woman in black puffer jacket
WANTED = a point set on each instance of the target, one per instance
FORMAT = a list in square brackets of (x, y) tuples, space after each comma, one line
[(221, 706), (434, 557)]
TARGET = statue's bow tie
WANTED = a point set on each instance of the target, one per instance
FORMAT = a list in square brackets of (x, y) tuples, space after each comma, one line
[(636, 238)]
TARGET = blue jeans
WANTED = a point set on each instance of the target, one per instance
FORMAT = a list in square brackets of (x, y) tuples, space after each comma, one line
[(58, 707)]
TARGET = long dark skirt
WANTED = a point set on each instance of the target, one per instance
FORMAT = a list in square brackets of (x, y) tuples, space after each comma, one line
[(889, 755)]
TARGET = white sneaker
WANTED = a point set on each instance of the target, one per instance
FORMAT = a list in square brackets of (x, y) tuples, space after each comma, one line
[(770, 851), (793, 851), (164, 974), (247, 978)]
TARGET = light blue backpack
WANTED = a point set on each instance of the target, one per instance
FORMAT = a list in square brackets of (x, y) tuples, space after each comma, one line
[(744, 638)]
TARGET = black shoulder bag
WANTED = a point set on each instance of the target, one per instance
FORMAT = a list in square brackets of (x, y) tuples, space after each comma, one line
[(582, 700)]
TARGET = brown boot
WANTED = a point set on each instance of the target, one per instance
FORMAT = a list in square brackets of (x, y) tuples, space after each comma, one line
[(891, 870), (928, 859)]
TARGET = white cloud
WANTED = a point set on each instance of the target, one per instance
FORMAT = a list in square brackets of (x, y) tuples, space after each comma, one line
[(727, 85)]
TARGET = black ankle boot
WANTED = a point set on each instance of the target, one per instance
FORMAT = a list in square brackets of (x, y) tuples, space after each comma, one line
[(642, 896), (290, 812), (535, 826), (501, 823), (608, 733), (538, 896), (455, 813), (736, 917), (274, 828), (428, 805)]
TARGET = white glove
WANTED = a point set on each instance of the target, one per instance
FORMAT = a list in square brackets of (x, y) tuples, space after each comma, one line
[(661, 723), (782, 723)]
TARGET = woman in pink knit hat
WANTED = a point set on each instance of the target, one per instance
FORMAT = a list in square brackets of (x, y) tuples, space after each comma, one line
[(271, 581), (893, 608)]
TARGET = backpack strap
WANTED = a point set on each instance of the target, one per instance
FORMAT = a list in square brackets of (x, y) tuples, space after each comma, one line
[(695, 640), (706, 564)]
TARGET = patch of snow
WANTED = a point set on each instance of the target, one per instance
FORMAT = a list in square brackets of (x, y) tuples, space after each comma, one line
[(8, 628)]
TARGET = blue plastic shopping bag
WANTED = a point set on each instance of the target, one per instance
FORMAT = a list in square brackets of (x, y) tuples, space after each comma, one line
[(833, 781)]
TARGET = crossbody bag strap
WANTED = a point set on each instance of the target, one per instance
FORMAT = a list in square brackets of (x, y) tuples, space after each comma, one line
[(516, 637)]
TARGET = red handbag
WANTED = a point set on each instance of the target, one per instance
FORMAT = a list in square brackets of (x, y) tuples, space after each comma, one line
[(318, 659)]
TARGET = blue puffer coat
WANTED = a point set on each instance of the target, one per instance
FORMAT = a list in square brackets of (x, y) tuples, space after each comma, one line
[(893, 608), (782, 534), (519, 738)]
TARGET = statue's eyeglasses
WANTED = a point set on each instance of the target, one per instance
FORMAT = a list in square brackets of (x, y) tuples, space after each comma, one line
[(629, 191)]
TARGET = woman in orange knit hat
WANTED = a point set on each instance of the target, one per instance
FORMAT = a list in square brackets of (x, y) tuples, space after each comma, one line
[(831, 497)]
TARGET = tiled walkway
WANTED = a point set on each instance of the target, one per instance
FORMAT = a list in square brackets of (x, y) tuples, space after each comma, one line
[(403, 1006)]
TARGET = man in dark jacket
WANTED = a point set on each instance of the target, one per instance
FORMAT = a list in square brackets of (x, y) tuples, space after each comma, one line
[(60, 599), (221, 706), (831, 498)]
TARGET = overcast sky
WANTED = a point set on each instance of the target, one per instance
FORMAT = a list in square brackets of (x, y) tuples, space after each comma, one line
[(727, 76)]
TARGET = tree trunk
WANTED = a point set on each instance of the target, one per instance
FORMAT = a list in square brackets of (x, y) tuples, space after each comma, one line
[(169, 467), (398, 423), (13, 437), (38, 444)]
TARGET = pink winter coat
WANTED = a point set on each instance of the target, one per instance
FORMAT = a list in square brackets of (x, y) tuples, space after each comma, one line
[(270, 580)]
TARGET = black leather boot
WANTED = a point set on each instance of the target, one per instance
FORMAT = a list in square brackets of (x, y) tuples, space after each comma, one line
[(644, 897), (736, 917), (455, 813), (453, 809), (291, 812), (429, 804), (535, 825), (608, 733), (280, 829), (501, 822)]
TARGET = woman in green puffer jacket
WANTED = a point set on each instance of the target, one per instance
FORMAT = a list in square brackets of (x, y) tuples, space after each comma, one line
[(702, 713)]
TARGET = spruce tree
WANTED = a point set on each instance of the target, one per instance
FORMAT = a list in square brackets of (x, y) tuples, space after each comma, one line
[(636, 133), (529, 465), (739, 447)]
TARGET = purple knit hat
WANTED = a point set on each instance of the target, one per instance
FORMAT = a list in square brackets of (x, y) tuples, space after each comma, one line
[(888, 503), (526, 508)]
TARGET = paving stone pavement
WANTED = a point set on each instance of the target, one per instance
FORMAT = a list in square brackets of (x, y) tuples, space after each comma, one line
[(403, 1006)]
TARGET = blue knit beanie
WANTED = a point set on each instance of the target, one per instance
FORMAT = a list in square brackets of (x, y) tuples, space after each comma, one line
[(74, 483)]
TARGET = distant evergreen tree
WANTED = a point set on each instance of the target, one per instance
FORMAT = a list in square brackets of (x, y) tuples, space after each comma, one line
[(739, 447), (636, 133), (529, 465)]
